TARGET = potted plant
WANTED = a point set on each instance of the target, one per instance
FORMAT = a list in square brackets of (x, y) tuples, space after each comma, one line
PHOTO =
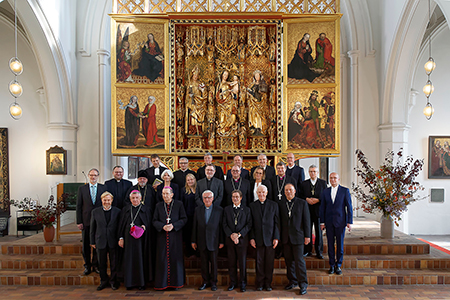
[(389, 188), (45, 215)]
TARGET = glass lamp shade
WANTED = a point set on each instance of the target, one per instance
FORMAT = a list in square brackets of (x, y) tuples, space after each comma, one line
[(428, 89), (15, 88), (429, 66), (15, 65), (428, 111), (15, 111)]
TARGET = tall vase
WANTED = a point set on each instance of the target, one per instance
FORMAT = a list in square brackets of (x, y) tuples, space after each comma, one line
[(387, 227), (49, 233)]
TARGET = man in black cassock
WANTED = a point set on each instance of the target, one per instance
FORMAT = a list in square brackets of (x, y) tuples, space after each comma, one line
[(104, 223), (136, 260), (118, 187), (237, 222), (155, 171), (147, 192), (179, 176), (169, 219), (236, 182)]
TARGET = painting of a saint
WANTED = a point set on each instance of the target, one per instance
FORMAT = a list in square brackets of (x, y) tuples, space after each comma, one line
[(151, 64), (132, 121), (439, 157), (56, 162), (149, 123), (299, 68)]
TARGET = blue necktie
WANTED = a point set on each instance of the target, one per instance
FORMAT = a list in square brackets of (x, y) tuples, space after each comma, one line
[(93, 193)]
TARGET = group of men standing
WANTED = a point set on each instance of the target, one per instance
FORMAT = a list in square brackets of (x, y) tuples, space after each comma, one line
[(274, 215)]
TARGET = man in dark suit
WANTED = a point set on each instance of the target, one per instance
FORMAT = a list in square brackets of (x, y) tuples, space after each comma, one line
[(295, 230), (104, 224), (207, 237), (118, 187), (155, 171), (264, 237), (179, 176), (280, 181), (336, 213), (262, 161), (238, 160), (201, 172), (209, 183), (237, 222), (310, 190), (88, 198), (293, 170), (236, 182)]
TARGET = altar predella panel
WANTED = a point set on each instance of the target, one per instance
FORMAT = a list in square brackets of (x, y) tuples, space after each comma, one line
[(190, 85)]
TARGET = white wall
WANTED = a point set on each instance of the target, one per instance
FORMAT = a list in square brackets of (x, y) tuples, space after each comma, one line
[(27, 137), (426, 217)]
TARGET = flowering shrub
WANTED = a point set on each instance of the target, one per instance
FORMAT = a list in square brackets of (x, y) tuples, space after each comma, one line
[(45, 215), (390, 188)]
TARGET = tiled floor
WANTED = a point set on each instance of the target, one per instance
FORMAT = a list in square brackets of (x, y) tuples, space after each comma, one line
[(314, 292)]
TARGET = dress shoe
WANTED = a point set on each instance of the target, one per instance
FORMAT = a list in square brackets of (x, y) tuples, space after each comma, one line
[(203, 286), (214, 288), (102, 286), (269, 288), (243, 287), (307, 254), (319, 256), (141, 288), (290, 286), (259, 289), (115, 286), (338, 271), (231, 287), (96, 270), (303, 291), (87, 271), (129, 288), (331, 270)]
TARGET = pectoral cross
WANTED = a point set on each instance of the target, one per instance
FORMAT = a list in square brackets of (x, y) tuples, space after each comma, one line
[(279, 196), (289, 213), (168, 220), (312, 192)]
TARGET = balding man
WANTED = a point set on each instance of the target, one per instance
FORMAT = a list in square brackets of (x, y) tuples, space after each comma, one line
[(264, 237), (88, 198), (336, 213), (201, 172), (179, 176), (293, 170), (262, 161), (207, 237), (118, 187), (238, 160), (209, 183)]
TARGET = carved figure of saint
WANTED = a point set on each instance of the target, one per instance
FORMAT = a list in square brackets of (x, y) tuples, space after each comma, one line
[(196, 104), (257, 105), (226, 108)]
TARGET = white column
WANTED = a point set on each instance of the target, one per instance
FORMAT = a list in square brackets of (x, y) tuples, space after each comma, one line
[(104, 114)]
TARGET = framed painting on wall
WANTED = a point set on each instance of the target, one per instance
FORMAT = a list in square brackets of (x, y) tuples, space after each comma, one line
[(439, 157), (56, 161)]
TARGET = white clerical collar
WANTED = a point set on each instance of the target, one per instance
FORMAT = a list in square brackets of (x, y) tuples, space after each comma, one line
[(313, 182), (262, 202), (107, 209), (208, 207), (157, 171), (118, 180)]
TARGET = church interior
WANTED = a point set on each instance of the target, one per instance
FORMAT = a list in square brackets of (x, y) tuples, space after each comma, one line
[(73, 79)]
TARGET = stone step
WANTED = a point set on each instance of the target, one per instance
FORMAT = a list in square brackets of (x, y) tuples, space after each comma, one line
[(193, 278)]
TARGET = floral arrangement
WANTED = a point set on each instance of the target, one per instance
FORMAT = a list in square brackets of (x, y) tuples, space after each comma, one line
[(45, 215), (390, 188)]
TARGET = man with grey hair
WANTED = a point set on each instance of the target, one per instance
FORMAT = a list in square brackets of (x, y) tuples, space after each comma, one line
[(262, 161), (264, 237), (88, 198), (207, 237), (201, 172), (310, 190), (179, 176), (238, 161)]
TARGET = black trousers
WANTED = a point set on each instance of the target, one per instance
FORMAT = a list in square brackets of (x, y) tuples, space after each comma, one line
[(102, 255), (209, 266), (295, 264), (86, 251), (318, 242), (237, 254), (264, 266)]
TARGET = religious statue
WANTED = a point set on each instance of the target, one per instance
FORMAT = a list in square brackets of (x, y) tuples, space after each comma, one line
[(226, 108), (257, 105), (196, 104)]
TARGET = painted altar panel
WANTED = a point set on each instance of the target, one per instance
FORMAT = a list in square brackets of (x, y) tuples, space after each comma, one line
[(140, 103)]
